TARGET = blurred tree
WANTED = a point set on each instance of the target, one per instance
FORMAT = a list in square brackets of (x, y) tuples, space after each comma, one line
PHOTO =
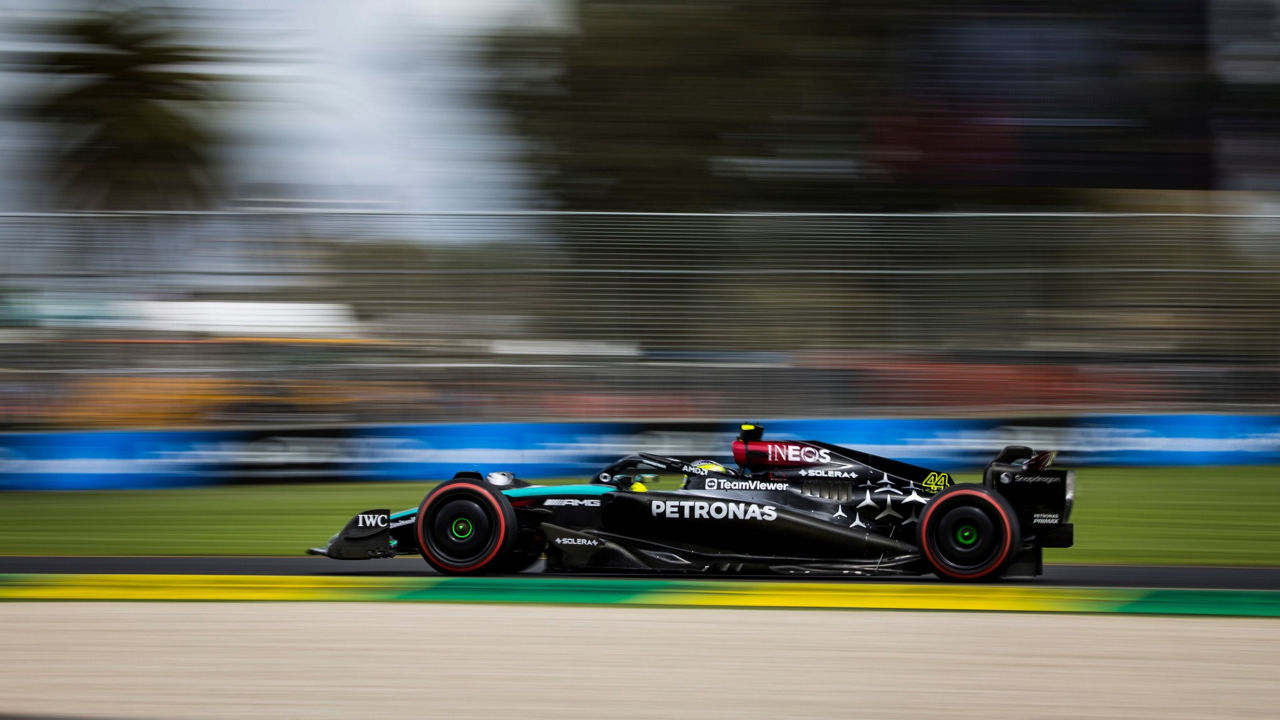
[(128, 107), (698, 104)]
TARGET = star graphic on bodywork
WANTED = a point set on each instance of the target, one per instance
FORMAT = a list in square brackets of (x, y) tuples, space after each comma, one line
[(888, 485), (888, 510)]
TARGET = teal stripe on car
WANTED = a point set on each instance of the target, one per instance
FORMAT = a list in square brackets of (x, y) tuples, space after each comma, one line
[(549, 490)]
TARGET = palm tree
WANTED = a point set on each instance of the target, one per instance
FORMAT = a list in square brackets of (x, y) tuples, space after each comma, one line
[(128, 109)]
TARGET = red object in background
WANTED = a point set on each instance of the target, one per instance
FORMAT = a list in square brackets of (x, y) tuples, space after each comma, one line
[(937, 143)]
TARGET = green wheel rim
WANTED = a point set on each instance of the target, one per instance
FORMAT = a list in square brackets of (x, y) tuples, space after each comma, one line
[(461, 528), (966, 535)]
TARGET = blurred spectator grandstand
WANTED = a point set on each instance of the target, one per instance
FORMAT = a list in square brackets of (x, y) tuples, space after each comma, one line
[(374, 317)]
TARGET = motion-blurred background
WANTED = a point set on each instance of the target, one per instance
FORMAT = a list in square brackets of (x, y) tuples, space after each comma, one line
[(284, 213)]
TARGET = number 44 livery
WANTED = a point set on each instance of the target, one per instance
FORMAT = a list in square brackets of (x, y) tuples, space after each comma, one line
[(790, 507)]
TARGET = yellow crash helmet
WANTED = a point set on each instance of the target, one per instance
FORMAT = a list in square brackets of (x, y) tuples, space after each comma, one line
[(708, 465)]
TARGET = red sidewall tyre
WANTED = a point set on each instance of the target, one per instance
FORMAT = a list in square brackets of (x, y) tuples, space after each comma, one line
[(969, 533), (465, 527)]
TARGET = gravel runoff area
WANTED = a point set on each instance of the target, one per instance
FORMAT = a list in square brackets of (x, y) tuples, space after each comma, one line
[(344, 660)]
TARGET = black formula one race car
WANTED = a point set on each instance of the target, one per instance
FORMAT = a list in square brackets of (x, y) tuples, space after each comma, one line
[(790, 508)]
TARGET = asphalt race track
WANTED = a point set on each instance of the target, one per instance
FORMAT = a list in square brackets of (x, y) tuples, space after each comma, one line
[(1120, 576)]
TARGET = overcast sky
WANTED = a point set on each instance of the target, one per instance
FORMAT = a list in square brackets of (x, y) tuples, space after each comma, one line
[(369, 101)]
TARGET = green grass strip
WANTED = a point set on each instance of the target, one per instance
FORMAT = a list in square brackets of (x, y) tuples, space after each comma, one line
[(642, 593)]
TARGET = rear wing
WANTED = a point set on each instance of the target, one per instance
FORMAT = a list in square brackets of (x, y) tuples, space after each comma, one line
[(1041, 496)]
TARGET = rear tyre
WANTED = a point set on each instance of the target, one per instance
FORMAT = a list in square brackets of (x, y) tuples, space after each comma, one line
[(969, 533), (466, 527)]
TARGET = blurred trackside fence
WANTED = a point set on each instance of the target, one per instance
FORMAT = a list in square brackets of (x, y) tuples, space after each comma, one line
[(164, 319)]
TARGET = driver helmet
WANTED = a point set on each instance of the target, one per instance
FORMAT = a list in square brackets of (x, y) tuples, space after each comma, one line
[(501, 478), (709, 466)]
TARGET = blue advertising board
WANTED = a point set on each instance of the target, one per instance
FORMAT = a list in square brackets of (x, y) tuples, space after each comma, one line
[(150, 459)]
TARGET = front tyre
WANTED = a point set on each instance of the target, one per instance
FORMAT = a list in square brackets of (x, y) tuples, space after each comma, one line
[(465, 528), (969, 533)]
